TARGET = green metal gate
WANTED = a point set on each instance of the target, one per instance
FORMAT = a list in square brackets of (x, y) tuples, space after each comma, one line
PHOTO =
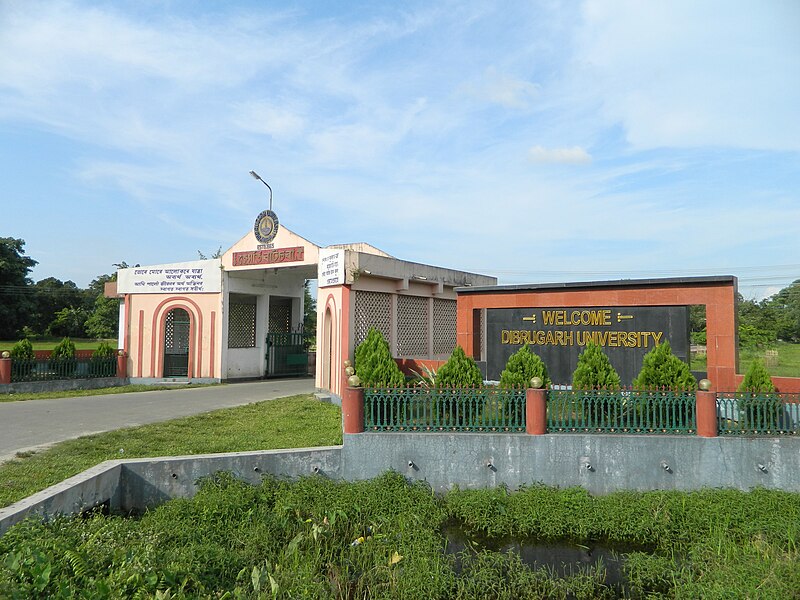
[(287, 355), (176, 343)]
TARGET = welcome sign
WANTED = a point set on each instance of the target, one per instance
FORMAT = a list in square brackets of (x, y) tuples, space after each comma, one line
[(559, 335)]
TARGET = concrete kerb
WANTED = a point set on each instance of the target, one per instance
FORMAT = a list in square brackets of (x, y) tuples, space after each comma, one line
[(138, 484), (599, 463)]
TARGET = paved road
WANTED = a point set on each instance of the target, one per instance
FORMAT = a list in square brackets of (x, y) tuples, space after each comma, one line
[(35, 423)]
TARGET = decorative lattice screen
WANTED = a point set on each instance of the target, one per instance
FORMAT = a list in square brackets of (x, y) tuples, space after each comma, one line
[(280, 316), (176, 332), (372, 309), (242, 325), (444, 326), (412, 326)]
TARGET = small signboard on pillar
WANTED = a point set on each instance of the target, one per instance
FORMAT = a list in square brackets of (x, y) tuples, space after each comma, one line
[(331, 267)]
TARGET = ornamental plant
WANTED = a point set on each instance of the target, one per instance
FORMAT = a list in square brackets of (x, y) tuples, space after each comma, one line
[(521, 367), (101, 363), (460, 371), (757, 378), (22, 359), (594, 370), (64, 350), (22, 350), (662, 369), (374, 364)]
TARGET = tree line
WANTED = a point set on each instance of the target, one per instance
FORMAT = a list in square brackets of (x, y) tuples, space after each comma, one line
[(51, 307)]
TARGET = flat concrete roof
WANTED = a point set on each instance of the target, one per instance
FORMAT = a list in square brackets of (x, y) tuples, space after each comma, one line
[(578, 285)]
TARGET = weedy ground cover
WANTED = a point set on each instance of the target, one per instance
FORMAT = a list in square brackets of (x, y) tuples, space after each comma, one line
[(293, 422), (317, 538)]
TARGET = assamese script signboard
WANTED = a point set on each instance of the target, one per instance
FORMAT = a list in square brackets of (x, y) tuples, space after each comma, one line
[(199, 276), (559, 335)]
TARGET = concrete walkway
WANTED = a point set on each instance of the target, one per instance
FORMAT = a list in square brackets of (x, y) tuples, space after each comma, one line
[(35, 423)]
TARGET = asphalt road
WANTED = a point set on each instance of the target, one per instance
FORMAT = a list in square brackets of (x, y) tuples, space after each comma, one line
[(36, 423)]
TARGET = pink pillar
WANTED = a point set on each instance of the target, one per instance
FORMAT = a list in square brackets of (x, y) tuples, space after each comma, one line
[(353, 409), (122, 365), (5, 370), (707, 414), (535, 411)]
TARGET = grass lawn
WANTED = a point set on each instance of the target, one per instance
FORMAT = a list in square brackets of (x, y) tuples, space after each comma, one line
[(788, 360), (50, 343), (293, 422), (122, 389)]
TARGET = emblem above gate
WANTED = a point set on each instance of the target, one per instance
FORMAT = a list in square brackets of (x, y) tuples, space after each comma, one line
[(266, 226)]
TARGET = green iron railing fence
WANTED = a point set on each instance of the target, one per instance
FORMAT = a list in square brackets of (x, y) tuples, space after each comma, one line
[(50, 370), (621, 411), (761, 413), (444, 409)]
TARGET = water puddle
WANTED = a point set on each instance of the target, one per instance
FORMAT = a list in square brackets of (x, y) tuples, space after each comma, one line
[(562, 559)]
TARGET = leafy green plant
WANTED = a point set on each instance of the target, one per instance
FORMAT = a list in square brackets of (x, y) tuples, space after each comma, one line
[(23, 360), (64, 350), (102, 363), (22, 350), (425, 379), (374, 364), (757, 378), (521, 367), (594, 370), (460, 371), (662, 369), (62, 359)]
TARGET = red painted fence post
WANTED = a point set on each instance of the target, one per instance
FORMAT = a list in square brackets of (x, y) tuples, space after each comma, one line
[(5, 368), (706, 406), (122, 365), (536, 408), (353, 409)]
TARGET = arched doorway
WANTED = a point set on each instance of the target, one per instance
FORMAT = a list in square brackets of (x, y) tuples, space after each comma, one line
[(327, 349), (176, 343)]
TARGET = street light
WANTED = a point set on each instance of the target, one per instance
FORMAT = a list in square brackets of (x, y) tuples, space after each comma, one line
[(257, 176)]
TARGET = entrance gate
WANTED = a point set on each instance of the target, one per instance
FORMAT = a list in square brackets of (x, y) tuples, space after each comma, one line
[(176, 343), (287, 355)]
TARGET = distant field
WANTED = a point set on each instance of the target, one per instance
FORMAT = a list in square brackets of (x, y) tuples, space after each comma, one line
[(788, 362), (50, 343)]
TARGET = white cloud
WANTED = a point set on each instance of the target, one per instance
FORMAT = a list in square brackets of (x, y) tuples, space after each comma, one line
[(270, 119), (505, 90), (573, 156), (689, 74)]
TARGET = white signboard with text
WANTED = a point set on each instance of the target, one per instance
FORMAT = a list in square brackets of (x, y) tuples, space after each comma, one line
[(331, 268), (196, 277)]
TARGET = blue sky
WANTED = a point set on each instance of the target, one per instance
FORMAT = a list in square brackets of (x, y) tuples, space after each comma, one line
[(535, 141)]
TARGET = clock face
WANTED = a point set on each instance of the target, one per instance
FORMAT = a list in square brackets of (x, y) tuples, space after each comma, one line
[(266, 226)]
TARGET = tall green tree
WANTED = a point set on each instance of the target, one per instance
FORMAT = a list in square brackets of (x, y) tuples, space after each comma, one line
[(786, 304), (16, 296), (53, 296)]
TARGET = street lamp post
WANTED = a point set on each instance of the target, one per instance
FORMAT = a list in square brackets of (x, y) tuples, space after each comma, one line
[(257, 176)]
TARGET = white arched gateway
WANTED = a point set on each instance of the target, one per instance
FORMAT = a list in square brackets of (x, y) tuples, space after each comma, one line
[(240, 316)]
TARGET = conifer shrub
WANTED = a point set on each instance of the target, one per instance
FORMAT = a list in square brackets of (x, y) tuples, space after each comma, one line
[(64, 350), (521, 367), (22, 350), (102, 363), (594, 370), (374, 364), (62, 359), (22, 360), (662, 369), (460, 371), (757, 378), (759, 406)]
